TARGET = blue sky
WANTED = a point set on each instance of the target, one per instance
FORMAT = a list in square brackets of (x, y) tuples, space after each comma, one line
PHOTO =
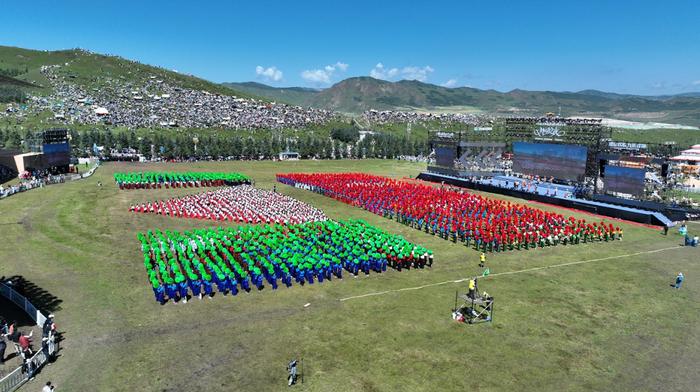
[(639, 47)]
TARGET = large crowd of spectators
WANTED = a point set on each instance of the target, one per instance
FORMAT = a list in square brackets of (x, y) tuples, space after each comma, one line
[(34, 179), (157, 103), (556, 120), (30, 181), (394, 117)]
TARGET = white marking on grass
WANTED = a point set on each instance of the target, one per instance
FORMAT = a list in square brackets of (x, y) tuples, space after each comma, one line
[(510, 273)]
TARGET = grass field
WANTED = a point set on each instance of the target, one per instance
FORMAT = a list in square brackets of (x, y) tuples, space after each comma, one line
[(611, 324)]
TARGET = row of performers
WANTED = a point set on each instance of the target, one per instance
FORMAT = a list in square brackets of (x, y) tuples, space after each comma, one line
[(205, 283)]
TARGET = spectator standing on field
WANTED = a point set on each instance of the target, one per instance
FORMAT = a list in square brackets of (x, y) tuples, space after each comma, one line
[(679, 280), (25, 342), (3, 346), (49, 326)]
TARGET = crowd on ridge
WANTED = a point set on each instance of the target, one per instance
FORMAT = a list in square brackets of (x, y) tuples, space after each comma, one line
[(396, 116), (557, 120), (159, 103)]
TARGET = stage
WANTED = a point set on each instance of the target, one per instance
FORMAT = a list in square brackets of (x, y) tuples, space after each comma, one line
[(554, 194)]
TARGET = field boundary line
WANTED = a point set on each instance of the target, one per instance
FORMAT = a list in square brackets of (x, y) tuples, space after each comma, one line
[(510, 273)]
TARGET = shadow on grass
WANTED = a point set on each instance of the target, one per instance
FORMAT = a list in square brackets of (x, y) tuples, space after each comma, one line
[(39, 297)]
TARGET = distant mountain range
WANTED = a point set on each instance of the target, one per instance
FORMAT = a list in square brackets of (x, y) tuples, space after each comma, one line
[(358, 94), (300, 96)]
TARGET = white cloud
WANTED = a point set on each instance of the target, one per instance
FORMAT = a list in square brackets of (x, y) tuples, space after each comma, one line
[(411, 72), (450, 83), (325, 75), (342, 66), (417, 73), (379, 72), (316, 76), (695, 82), (269, 74)]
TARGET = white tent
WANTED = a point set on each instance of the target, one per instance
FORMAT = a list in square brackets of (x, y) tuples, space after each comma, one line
[(691, 155), (101, 111)]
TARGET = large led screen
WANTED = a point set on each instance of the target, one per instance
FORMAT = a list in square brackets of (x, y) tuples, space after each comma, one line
[(445, 156), (562, 161), (57, 154), (624, 180)]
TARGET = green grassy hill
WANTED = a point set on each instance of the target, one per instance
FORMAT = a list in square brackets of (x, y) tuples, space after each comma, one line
[(92, 70), (14, 90), (355, 95), (9, 81)]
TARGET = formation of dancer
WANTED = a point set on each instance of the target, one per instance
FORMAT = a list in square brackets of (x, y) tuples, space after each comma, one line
[(238, 258), (242, 203), (154, 180), (480, 222)]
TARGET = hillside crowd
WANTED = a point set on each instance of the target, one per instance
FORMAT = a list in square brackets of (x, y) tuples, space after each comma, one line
[(557, 120), (393, 117), (157, 103)]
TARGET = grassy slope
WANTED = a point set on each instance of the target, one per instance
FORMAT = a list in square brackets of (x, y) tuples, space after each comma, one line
[(607, 325), (92, 70), (13, 90), (8, 81)]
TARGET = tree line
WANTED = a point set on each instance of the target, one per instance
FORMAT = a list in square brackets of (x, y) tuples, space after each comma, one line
[(243, 146)]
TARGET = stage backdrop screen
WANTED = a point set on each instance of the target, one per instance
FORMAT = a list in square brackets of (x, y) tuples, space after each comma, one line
[(624, 180), (445, 156), (562, 161), (56, 154)]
